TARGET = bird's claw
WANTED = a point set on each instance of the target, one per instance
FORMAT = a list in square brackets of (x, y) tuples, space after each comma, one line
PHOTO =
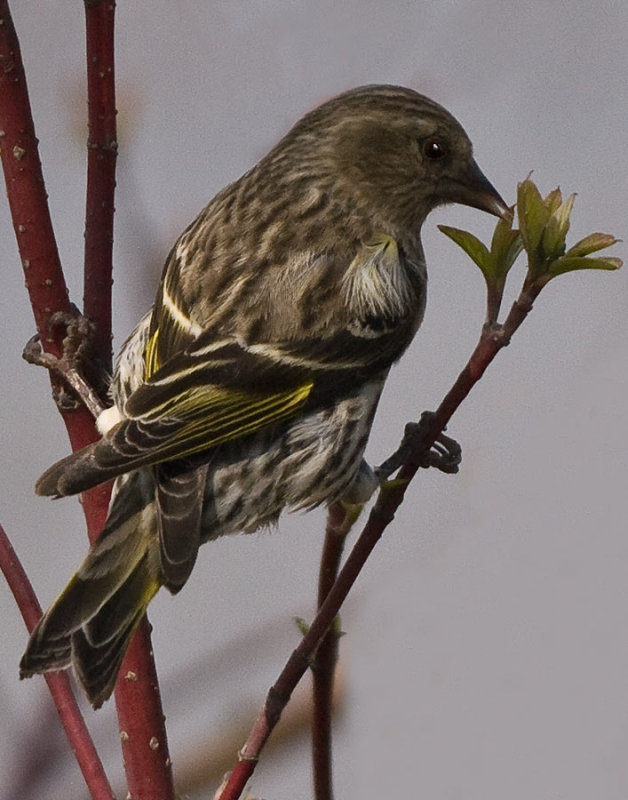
[(76, 343), (445, 453)]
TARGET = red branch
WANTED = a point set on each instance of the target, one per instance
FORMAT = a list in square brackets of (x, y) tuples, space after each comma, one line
[(149, 778), (323, 664), (102, 150), (138, 701), (36, 242), (58, 682), (382, 514), (298, 663), (26, 191), (142, 723)]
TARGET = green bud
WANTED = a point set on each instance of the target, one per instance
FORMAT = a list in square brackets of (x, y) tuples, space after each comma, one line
[(555, 233), (544, 226), (302, 626), (553, 199), (533, 213), (506, 245)]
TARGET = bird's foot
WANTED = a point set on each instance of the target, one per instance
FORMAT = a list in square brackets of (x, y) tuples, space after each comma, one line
[(76, 345), (445, 454)]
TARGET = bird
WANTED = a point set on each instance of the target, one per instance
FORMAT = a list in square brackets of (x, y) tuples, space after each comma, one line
[(251, 385)]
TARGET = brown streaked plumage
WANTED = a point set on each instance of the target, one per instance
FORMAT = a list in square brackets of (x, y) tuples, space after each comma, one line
[(252, 385)]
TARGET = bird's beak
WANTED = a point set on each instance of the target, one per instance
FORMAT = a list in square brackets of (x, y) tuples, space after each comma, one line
[(474, 189)]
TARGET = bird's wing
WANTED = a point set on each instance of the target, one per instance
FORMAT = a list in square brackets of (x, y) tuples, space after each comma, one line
[(182, 410), (214, 393), (222, 388)]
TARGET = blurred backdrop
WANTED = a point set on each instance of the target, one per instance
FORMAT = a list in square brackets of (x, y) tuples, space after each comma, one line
[(486, 653)]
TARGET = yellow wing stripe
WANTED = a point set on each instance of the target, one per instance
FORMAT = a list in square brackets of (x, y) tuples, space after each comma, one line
[(218, 416), (151, 359), (235, 426)]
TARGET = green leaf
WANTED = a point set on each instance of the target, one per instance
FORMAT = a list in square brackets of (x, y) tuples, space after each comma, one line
[(591, 244), (544, 224), (506, 245), (555, 233), (571, 263), (554, 199), (533, 216), (473, 247)]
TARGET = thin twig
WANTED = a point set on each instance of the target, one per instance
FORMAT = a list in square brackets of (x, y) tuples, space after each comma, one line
[(102, 150), (382, 514), (298, 663), (58, 682), (323, 663)]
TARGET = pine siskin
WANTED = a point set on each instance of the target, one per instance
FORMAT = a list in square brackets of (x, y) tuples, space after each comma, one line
[(252, 384)]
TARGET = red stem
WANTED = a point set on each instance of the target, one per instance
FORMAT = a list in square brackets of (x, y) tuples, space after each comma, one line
[(323, 663), (138, 701), (382, 514), (36, 242), (58, 682), (26, 191), (102, 150), (142, 723), (298, 663), (48, 294)]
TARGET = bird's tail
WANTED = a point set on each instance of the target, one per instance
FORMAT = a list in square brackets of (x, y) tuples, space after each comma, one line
[(90, 624)]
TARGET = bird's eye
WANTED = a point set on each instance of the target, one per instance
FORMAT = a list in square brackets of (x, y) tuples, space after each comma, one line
[(434, 148)]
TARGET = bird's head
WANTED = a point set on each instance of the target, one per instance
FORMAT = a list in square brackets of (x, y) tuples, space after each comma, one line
[(393, 155)]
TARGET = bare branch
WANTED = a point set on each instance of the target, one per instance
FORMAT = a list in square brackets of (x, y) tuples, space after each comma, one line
[(142, 723), (323, 663), (26, 190), (35, 237), (49, 297), (138, 700), (382, 514), (58, 682), (102, 150)]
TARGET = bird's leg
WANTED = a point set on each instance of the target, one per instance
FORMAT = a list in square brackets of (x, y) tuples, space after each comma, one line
[(76, 344), (445, 454)]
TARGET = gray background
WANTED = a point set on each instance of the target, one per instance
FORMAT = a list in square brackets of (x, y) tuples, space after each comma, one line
[(486, 655)]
